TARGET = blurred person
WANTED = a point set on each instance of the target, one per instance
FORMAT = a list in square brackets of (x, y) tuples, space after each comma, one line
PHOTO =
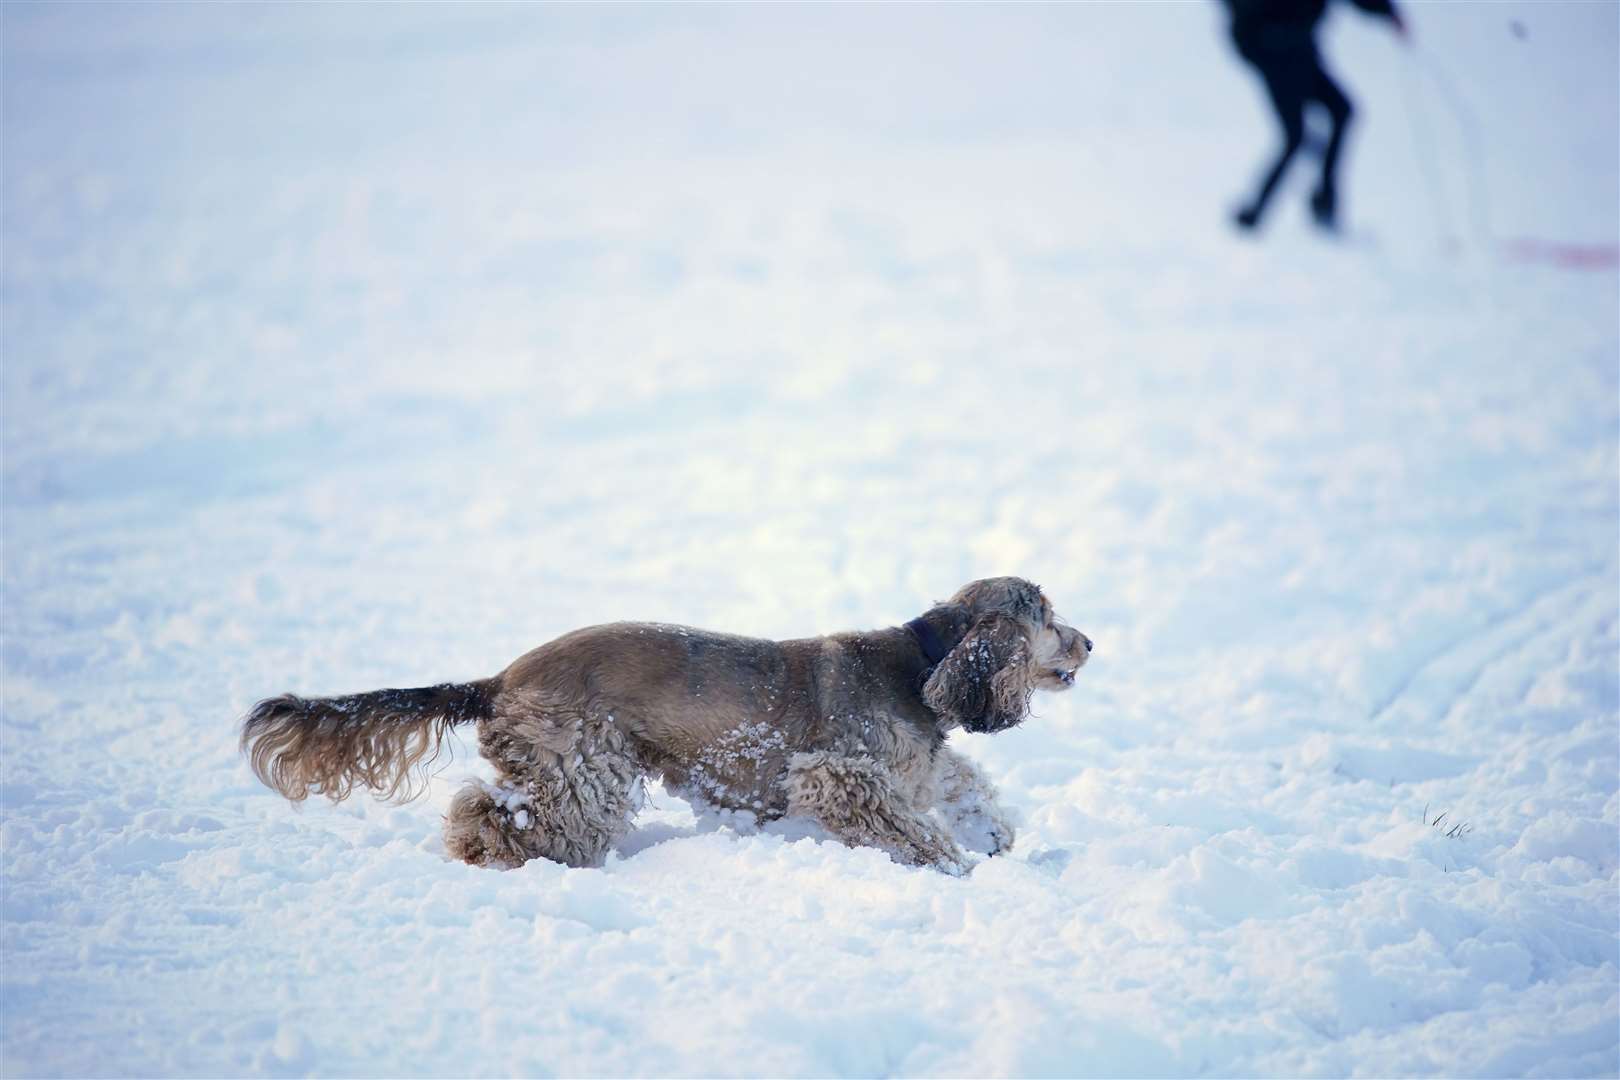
[(1278, 39)]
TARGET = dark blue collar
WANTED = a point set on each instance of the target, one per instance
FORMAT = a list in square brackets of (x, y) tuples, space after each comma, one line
[(933, 648)]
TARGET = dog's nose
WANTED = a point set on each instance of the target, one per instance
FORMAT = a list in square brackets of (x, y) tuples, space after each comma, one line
[(1086, 642)]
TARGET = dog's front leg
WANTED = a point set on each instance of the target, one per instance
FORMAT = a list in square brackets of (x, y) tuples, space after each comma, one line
[(967, 801), (855, 799)]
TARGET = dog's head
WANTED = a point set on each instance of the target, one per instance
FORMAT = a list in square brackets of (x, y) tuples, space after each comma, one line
[(1013, 645)]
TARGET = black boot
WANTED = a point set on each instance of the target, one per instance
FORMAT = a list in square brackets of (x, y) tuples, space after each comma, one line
[(1325, 207)]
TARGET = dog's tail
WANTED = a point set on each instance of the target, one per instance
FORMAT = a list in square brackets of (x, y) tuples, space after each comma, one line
[(329, 746)]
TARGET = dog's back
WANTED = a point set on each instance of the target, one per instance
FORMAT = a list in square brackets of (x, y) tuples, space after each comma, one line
[(716, 714)]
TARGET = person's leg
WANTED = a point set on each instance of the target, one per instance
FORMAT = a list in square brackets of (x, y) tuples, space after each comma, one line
[(1287, 83), (1325, 200)]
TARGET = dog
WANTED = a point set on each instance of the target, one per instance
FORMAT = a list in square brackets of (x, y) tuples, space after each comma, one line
[(848, 730)]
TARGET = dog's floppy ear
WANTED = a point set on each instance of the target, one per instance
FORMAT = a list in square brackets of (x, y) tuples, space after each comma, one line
[(983, 684)]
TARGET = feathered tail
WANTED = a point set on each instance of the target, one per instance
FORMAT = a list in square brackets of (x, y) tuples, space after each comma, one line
[(328, 746)]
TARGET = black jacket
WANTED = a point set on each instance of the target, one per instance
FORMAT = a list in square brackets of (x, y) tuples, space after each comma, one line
[(1266, 25)]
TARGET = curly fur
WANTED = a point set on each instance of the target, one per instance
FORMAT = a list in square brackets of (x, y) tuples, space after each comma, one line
[(855, 799), (985, 683), (379, 740), (567, 788), (846, 729)]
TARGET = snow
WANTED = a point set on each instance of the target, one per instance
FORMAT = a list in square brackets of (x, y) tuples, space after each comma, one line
[(349, 347)]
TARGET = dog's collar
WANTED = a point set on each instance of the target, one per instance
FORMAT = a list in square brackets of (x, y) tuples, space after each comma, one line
[(928, 640)]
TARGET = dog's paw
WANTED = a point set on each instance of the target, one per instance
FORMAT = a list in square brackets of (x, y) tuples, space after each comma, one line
[(1001, 835), (482, 828), (927, 844), (984, 832)]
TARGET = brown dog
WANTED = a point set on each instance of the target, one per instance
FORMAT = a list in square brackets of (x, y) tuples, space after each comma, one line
[(847, 729)]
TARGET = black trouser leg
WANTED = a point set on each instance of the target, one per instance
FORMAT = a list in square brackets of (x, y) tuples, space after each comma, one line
[(1287, 83), (1325, 200)]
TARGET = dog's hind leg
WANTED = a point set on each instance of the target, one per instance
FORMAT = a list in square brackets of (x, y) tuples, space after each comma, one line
[(567, 788), (488, 825), (855, 799), (967, 801)]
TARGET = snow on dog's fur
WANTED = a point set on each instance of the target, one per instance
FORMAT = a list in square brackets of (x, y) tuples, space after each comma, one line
[(846, 729)]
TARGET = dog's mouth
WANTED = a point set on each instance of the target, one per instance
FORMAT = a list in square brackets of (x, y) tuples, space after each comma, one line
[(1064, 677)]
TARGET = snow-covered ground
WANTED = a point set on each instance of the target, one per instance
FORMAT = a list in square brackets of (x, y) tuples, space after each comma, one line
[(352, 346)]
